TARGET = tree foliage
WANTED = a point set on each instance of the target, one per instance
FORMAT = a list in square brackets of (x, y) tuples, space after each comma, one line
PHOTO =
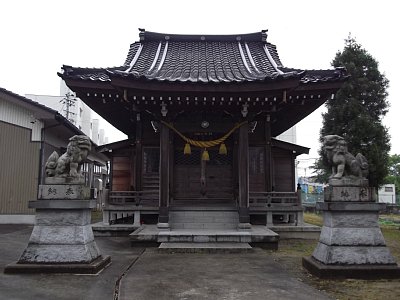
[(394, 172), (356, 112)]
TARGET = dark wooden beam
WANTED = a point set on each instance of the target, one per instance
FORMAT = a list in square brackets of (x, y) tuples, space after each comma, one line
[(164, 174), (139, 154), (243, 168), (268, 156)]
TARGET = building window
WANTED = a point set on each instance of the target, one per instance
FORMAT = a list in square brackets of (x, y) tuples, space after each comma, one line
[(388, 189)]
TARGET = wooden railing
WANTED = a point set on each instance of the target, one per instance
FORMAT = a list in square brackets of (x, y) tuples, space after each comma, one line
[(273, 199), (138, 198)]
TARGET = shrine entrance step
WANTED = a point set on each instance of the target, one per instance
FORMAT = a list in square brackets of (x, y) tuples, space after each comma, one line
[(204, 247), (206, 202), (204, 218), (257, 236)]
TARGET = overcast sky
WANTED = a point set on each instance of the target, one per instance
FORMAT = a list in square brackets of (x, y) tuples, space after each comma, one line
[(38, 37)]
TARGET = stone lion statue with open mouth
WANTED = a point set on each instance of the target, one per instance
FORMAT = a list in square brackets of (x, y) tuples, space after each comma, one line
[(69, 164), (343, 163)]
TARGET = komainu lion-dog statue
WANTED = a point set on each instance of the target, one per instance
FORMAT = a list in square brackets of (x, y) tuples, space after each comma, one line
[(343, 163), (69, 164)]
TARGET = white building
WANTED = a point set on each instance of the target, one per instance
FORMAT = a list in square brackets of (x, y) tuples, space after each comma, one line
[(79, 114), (387, 194)]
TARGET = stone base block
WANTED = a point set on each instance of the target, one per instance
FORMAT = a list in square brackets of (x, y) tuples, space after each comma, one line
[(351, 219), (64, 180), (349, 236), (353, 255), (64, 191), (95, 267), (348, 181), (348, 194), (41, 253), (62, 234), (375, 271), (64, 217)]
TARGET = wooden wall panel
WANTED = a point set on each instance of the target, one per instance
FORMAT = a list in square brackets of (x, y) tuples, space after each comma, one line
[(121, 173), (257, 169), (283, 171)]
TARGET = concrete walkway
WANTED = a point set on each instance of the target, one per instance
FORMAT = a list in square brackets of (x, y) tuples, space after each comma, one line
[(138, 273)]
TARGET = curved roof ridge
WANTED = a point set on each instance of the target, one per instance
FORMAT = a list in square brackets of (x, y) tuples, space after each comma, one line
[(156, 36)]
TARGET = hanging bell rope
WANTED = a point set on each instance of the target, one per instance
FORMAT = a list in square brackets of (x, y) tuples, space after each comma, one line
[(204, 144)]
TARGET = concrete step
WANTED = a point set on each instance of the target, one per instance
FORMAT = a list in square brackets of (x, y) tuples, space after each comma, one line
[(204, 225), (259, 236), (204, 236), (204, 247), (203, 219)]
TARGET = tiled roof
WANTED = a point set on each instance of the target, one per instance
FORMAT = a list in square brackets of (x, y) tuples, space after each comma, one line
[(200, 58)]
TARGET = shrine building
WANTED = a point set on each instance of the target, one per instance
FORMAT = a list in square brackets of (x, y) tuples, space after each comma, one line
[(202, 113)]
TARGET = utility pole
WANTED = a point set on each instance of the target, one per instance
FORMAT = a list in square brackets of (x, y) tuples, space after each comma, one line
[(69, 101)]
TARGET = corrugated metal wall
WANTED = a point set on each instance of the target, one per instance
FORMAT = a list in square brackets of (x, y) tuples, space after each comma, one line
[(19, 169)]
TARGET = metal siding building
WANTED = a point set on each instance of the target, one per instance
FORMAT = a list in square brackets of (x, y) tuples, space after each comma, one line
[(20, 169), (29, 132)]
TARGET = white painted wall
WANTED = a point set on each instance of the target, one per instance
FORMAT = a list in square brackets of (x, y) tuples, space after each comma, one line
[(20, 116), (387, 194), (288, 136), (95, 131)]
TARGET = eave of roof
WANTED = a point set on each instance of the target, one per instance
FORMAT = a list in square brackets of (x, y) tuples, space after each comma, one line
[(296, 149)]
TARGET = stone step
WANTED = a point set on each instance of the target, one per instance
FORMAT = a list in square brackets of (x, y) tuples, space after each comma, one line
[(258, 236), (205, 207), (224, 247), (194, 225), (204, 236), (203, 219)]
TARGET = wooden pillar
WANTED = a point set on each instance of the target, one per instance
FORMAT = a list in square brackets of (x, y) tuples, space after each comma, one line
[(139, 154), (268, 156), (243, 174), (163, 217)]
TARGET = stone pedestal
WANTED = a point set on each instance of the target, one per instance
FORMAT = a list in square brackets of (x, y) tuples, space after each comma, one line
[(351, 244), (62, 239)]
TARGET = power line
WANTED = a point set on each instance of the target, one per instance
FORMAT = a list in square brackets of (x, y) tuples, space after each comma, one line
[(69, 101)]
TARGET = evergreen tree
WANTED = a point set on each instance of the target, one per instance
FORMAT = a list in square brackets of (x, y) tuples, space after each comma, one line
[(356, 112)]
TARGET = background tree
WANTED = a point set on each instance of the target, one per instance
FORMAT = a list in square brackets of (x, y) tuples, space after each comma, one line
[(394, 172), (356, 112)]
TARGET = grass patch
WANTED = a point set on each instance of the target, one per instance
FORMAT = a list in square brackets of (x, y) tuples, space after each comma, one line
[(314, 219), (97, 216), (290, 254)]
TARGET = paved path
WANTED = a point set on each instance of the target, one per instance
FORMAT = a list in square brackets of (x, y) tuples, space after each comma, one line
[(147, 274), (211, 276)]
